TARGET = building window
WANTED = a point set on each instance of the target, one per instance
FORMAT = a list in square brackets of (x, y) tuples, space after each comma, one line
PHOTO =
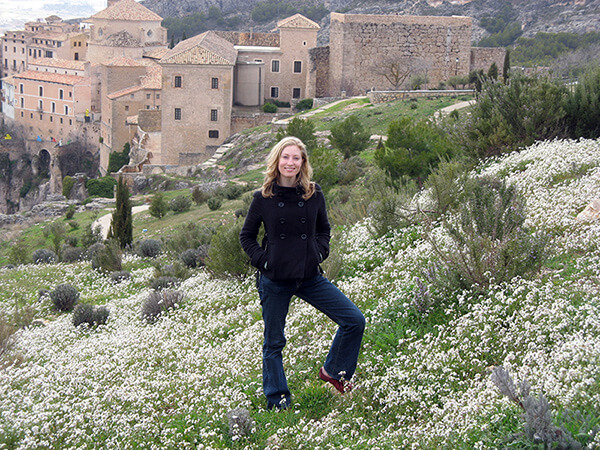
[(76, 56), (157, 96), (20, 88), (41, 91), (178, 81), (297, 66), (126, 107), (275, 65), (147, 106), (213, 134), (147, 96), (61, 94), (53, 107), (51, 119), (48, 54), (177, 113), (274, 92), (258, 60), (70, 121), (41, 105), (22, 102), (66, 110), (61, 121), (214, 115), (296, 93), (214, 83)]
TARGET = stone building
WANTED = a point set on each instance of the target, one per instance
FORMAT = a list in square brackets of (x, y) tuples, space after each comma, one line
[(124, 29), (383, 52)]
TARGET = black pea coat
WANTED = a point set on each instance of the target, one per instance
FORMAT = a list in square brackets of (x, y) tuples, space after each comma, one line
[(297, 233)]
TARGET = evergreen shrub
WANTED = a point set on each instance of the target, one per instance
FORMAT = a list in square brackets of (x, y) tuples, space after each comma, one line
[(158, 206), (159, 302), (269, 108), (179, 204), (72, 254), (108, 258), (305, 104), (64, 297), (214, 203), (191, 258), (199, 196), (44, 256), (70, 211), (225, 255), (101, 187), (148, 248), (120, 275), (164, 282), (67, 186), (90, 315)]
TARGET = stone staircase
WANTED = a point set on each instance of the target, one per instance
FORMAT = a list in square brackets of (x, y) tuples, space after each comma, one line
[(212, 162)]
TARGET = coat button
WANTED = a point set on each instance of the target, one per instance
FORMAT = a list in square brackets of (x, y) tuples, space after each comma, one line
[(282, 236), (300, 204), (282, 220), (302, 219), (303, 237), (280, 204)]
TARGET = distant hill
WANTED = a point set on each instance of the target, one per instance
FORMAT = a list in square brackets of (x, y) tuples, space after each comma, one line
[(531, 16)]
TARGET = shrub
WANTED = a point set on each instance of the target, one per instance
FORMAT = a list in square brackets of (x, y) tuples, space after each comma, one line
[(583, 106), (489, 241), (67, 187), (121, 225), (269, 108), (18, 253), (303, 130), (92, 249), (349, 137), (214, 203), (120, 275), (70, 211), (191, 258), (189, 235), (90, 315), (91, 235), (160, 283), (158, 206), (232, 191), (44, 256), (108, 258), (71, 241), (350, 169), (72, 254), (64, 297), (175, 270), (225, 255), (73, 224), (305, 104), (159, 302), (116, 160), (148, 248), (101, 187), (325, 162), (198, 195), (179, 204)]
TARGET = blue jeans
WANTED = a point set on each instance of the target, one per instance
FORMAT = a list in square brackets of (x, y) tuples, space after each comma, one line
[(275, 299)]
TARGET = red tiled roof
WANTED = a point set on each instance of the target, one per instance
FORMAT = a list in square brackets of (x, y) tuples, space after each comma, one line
[(127, 10), (58, 63), (205, 48), (51, 77), (297, 21)]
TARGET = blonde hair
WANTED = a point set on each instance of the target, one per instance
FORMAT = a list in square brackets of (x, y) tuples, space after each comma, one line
[(272, 171)]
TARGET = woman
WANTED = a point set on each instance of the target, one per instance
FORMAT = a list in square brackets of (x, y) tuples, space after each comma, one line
[(297, 232)]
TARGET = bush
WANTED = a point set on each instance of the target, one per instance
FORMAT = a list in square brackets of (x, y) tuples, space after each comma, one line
[(18, 253), (73, 224), (214, 203), (176, 270), (90, 315), (67, 187), (232, 191), (189, 235), (158, 206), (269, 108), (91, 235), (70, 211), (148, 248), (225, 255), (64, 297), (108, 258), (488, 239), (120, 275), (44, 256), (72, 254), (101, 187), (159, 302), (191, 258), (179, 204), (160, 283), (349, 137), (92, 249), (305, 104), (198, 195), (303, 130), (71, 241)]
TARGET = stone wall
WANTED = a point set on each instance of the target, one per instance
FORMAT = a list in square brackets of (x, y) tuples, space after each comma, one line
[(483, 57), (242, 122), (366, 48), (389, 96), (318, 72)]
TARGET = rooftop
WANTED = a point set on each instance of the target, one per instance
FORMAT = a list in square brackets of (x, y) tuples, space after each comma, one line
[(205, 48), (50, 77), (127, 10)]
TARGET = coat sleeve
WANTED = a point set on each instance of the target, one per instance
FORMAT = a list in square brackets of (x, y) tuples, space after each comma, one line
[(323, 229), (249, 234)]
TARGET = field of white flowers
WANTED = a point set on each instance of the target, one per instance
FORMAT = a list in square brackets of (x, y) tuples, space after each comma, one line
[(422, 382)]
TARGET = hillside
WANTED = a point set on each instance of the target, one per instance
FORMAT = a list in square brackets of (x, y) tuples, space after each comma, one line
[(424, 372), (577, 16)]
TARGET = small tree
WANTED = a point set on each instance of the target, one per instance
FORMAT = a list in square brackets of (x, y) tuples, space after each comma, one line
[(303, 130), (121, 227), (506, 67), (493, 72), (349, 137), (158, 206)]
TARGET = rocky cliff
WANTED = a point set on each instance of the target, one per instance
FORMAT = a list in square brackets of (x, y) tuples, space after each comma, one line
[(578, 16)]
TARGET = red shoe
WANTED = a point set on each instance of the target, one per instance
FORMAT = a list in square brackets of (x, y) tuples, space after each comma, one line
[(341, 385)]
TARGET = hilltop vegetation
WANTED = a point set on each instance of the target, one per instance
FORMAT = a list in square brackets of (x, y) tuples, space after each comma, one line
[(479, 285)]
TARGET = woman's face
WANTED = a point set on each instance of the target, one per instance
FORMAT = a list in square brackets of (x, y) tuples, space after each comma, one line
[(290, 163)]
